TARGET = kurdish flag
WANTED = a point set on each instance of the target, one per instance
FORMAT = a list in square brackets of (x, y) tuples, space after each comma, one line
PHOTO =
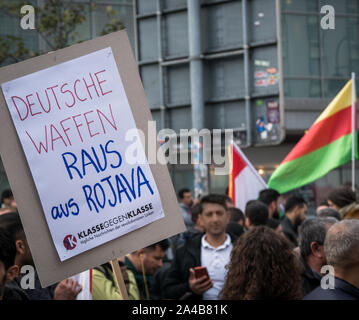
[(325, 146)]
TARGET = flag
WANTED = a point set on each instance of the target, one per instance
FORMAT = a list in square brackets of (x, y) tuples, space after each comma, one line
[(325, 146), (244, 181)]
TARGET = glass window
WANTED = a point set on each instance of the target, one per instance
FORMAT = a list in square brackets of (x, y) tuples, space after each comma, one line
[(340, 48), (222, 26), (175, 27), (173, 4), (261, 26), (83, 31), (302, 88), (148, 39), (342, 6), (224, 78), (146, 6), (300, 5), (300, 45), (150, 80), (332, 87), (183, 178), (178, 85), (180, 118)]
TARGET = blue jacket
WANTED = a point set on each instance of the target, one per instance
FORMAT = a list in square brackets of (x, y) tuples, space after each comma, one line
[(342, 291)]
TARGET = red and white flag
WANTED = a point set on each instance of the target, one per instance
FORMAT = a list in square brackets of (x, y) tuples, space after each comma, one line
[(244, 180)]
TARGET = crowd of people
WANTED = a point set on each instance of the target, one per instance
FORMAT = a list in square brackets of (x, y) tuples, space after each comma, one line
[(264, 252)]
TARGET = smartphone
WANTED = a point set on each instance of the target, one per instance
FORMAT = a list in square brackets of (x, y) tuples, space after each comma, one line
[(199, 272)]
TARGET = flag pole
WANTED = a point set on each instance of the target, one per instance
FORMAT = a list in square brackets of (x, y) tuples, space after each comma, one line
[(353, 130)]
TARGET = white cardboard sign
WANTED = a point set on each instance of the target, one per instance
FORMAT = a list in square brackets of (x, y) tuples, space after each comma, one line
[(71, 120)]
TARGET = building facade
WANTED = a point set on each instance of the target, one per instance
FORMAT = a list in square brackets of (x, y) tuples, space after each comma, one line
[(269, 68)]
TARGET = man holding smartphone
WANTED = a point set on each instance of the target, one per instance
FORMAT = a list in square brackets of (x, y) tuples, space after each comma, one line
[(210, 250)]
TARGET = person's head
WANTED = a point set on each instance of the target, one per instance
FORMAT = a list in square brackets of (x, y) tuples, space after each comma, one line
[(341, 246), (237, 215), (150, 257), (229, 201), (329, 212), (196, 210), (7, 198), (12, 224), (275, 225), (311, 240), (262, 266), (8, 269), (296, 209), (270, 197), (341, 197), (323, 205), (214, 215), (256, 214), (185, 196)]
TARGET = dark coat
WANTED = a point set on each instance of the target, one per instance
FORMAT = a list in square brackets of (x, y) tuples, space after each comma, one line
[(289, 231), (342, 291), (235, 228), (13, 291), (310, 278), (187, 256)]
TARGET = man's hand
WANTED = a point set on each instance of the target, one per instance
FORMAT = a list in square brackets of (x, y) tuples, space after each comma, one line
[(67, 289), (200, 285)]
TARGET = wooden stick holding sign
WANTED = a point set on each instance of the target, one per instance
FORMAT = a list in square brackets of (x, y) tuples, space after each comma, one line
[(119, 278)]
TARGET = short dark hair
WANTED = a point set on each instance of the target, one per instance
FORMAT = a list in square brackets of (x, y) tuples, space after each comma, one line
[(227, 198), (257, 213), (294, 201), (214, 198), (236, 214), (342, 196), (6, 194), (196, 210), (273, 223), (312, 230), (12, 224), (248, 203), (182, 192), (163, 244), (330, 212), (7, 249), (267, 196), (324, 203)]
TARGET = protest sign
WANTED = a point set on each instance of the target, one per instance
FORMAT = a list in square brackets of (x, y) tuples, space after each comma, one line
[(72, 120), (63, 122)]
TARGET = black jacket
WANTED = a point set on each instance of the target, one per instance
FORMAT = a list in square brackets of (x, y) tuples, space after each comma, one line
[(187, 256), (310, 278), (342, 291), (13, 291), (289, 231)]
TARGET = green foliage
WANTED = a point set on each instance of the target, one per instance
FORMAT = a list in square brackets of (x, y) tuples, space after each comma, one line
[(113, 23), (55, 23), (12, 49)]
